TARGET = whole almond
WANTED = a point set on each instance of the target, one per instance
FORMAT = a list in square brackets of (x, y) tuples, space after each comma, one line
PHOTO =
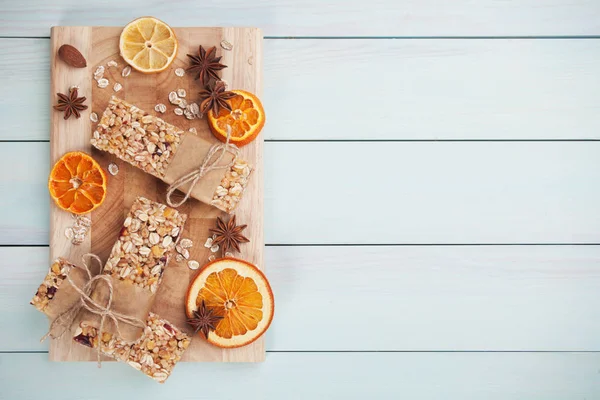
[(71, 56)]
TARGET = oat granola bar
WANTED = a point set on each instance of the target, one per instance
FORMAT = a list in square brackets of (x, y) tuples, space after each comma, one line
[(140, 255), (57, 274), (143, 140), (149, 143), (155, 353)]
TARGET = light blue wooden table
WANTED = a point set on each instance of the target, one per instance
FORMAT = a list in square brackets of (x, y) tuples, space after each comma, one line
[(432, 202)]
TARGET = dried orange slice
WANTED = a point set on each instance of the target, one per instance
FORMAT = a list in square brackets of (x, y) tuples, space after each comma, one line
[(237, 291), (148, 45), (77, 183), (246, 118)]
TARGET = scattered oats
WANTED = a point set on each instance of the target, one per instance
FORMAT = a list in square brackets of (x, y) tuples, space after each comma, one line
[(225, 45), (188, 114), (113, 169), (194, 108), (178, 111), (193, 130), (228, 254), (208, 243), (183, 104), (185, 253), (211, 257), (186, 243), (74, 87), (103, 83), (126, 71), (69, 233), (179, 258), (94, 117), (215, 248), (193, 264), (111, 63), (173, 98), (161, 108), (117, 87), (99, 73), (180, 72), (181, 92), (250, 60)]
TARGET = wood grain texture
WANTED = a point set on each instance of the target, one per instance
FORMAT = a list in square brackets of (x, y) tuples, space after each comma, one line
[(434, 89), (423, 298), (318, 18), (435, 193), (423, 376), (100, 45)]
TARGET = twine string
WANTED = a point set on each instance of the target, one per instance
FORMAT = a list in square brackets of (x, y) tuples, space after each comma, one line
[(65, 319), (208, 164)]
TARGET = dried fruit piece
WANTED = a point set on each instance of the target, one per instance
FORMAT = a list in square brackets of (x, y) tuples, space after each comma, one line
[(148, 45), (237, 291), (246, 119), (77, 183), (72, 56)]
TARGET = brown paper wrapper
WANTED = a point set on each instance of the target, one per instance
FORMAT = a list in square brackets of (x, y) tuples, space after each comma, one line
[(189, 157), (128, 300)]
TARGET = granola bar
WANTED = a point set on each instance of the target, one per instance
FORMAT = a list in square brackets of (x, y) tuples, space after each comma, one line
[(143, 140), (150, 232), (56, 276), (155, 353), (229, 192)]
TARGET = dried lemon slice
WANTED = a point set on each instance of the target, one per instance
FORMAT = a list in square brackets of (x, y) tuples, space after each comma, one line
[(148, 45)]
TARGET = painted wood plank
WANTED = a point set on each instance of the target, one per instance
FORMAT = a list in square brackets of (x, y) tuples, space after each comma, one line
[(318, 18), (423, 376), (401, 298), (381, 193), (422, 90)]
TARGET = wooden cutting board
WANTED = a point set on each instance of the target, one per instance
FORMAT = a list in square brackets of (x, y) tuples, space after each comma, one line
[(99, 45)]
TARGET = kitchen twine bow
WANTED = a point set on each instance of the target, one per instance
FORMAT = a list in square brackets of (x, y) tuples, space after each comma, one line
[(207, 165), (65, 319)]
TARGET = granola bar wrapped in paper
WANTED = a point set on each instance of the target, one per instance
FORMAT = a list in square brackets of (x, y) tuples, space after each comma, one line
[(167, 152), (136, 264), (56, 294), (155, 352)]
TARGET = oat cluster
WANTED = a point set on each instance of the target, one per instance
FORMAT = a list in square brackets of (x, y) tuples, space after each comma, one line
[(143, 140)]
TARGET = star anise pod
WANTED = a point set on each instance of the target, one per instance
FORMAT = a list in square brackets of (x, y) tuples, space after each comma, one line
[(70, 104), (205, 65), (204, 320), (229, 235), (214, 98)]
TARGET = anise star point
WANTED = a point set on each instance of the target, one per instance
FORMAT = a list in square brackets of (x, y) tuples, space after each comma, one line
[(229, 235), (215, 98), (205, 65), (70, 104), (204, 320)]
